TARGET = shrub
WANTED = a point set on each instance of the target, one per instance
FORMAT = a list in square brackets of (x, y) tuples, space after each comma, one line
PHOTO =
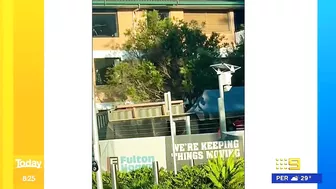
[(217, 173), (107, 183), (138, 179), (228, 173)]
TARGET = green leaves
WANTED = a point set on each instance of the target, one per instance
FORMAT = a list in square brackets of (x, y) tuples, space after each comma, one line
[(236, 57), (228, 173), (177, 56), (217, 173), (136, 81), (141, 178), (180, 52)]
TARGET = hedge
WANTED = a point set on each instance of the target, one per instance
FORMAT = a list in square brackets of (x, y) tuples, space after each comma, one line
[(216, 174)]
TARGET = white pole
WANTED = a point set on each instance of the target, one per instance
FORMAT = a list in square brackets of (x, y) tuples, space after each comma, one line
[(96, 147), (114, 176), (221, 85), (221, 105), (95, 135), (188, 127), (172, 130)]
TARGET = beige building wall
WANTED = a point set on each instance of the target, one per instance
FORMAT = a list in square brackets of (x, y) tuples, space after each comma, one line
[(126, 18), (176, 14)]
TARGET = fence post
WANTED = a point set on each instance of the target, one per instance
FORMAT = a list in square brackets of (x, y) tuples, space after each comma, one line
[(156, 172), (113, 168), (188, 127), (192, 162)]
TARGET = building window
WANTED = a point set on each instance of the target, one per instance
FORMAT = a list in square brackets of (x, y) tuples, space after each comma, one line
[(239, 19), (104, 24), (102, 65), (215, 21), (163, 14)]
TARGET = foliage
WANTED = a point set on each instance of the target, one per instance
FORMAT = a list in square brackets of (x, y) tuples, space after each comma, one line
[(217, 173), (107, 183), (142, 178), (228, 173), (187, 178), (236, 57), (170, 55), (180, 51), (241, 27), (137, 81)]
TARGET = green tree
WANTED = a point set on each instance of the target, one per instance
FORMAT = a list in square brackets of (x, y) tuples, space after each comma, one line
[(138, 81), (171, 55), (236, 57), (180, 51)]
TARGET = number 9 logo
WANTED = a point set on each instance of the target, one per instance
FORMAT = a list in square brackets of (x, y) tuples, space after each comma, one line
[(294, 163)]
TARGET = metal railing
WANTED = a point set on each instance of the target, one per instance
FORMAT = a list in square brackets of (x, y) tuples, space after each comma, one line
[(102, 123), (154, 127)]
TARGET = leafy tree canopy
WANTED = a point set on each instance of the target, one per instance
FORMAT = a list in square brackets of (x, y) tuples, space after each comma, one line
[(136, 81), (170, 55)]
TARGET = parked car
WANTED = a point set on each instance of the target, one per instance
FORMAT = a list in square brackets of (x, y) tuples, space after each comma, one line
[(234, 125)]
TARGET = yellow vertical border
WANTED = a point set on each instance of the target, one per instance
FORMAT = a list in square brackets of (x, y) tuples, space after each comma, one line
[(7, 28), (29, 93), (21, 94), (1, 60)]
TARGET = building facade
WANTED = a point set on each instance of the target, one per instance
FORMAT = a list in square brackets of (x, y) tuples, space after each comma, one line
[(111, 19)]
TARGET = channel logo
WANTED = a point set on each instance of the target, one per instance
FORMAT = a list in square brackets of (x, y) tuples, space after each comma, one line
[(291, 164)]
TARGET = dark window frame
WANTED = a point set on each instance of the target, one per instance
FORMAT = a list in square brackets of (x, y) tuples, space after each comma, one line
[(239, 19), (99, 12), (101, 79)]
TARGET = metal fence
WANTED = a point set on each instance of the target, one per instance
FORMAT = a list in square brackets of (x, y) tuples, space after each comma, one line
[(102, 122), (159, 126)]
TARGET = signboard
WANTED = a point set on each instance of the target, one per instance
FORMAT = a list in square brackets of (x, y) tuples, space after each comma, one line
[(130, 163), (142, 152), (201, 148)]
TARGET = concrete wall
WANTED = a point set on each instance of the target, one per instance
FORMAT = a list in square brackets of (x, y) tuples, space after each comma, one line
[(176, 14), (130, 154)]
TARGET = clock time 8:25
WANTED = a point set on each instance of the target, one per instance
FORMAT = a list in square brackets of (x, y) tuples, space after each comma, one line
[(28, 178)]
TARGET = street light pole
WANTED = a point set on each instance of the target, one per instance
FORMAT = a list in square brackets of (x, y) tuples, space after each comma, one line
[(221, 104), (168, 103), (224, 72), (95, 134)]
